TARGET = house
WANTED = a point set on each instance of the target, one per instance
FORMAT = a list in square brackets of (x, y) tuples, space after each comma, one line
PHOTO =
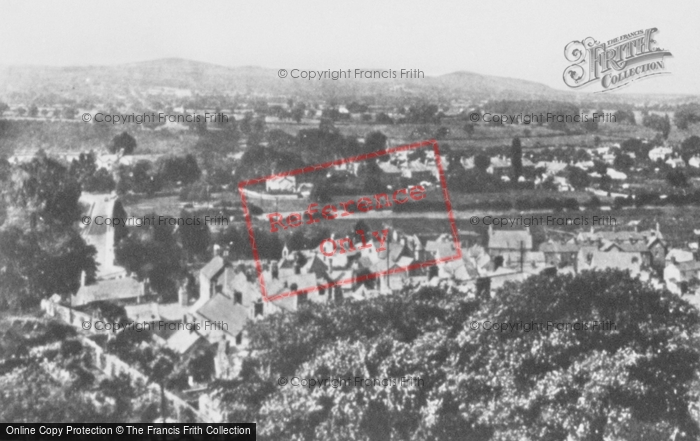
[(222, 318), (510, 245), (120, 290), (657, 247), (616, 175), (210, 279), (552, 167), (597, 237), (678, 255), (590, 258), (677, 275), (562, 184), (276, 286), (660, 153), (628, 247), (282, 184), (676, 162), (559, 254)]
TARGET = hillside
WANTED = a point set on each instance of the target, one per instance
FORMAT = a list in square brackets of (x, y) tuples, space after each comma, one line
[(103, 81), (46, 85)]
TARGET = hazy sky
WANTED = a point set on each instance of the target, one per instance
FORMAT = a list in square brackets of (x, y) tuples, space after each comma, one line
[(506, 38)]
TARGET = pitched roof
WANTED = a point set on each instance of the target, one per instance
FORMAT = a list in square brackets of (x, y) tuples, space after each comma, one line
[(690, 265), (284, 285), (221, 308), (556, 247), (510, 239), (142, 312), (679, 255), (110, 289), (394, 249), (212, 268), (612, 259), (613, 236), (182, 340), (637, 247)]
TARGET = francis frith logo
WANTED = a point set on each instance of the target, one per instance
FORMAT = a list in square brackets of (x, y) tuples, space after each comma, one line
[(615, 63)]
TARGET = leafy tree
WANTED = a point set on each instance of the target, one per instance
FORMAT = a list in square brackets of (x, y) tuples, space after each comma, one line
[(578, 178), (686, 115), (370, 175), (590, 125), (31, 394), (661, 124), (359, 225), (547, 374), (423, 114), (122, 144), (375, 141), (194, 238), (690, 147), (44, 193), (624, 116), (483, 384), (582, 155), (41, 251), (383, 118), (442, 132), (636, 146), (142, 177), (69, 112), (469, 128), (152, 252), (482, 162), (297, 241), (236, 241), (178, 169), (677, 178), (623, 161), (297, 114), (321, 192), (516, 158), (160, 369), (33, 111), (91, 179)]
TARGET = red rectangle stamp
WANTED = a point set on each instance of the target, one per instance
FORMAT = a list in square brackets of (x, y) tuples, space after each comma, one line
[(392, 182)]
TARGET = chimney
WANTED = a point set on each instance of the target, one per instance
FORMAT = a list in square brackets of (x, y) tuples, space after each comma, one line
[(183, 296), (82, 278), (226, 276)]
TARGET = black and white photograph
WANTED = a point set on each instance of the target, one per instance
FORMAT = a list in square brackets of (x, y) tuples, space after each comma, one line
[(355, 220)]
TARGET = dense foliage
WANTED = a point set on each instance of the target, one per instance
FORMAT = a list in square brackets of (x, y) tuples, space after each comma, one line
[(41, 250), (633, 379)]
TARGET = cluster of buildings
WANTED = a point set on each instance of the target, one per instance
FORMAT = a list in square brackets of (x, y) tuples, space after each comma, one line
[(211, 319)]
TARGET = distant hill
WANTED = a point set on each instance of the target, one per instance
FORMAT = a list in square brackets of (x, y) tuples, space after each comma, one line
[(122, 79), (48, 84)]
